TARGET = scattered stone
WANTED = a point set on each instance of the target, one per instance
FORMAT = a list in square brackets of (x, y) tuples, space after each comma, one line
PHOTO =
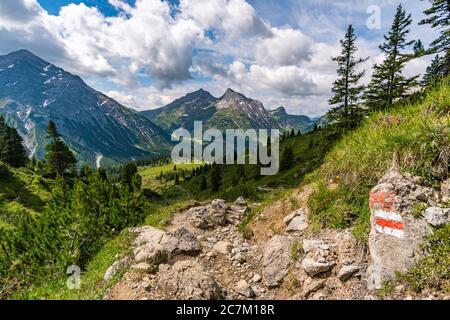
[(223, 247), (142, 266), (347, 271), (188, 280), (311, 286), (276, 260), (309, 245), (244, 289), (313, 267), (240, 258), (437, 216), (112, 270), (256, 278), (445, 192)]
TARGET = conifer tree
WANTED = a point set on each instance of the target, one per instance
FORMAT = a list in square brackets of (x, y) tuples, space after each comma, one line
[(347, 89), (434, 72), (388, 84), (216, 177), (203, 183), (287, 158), (12, 150), (438, 16), (58, 157)]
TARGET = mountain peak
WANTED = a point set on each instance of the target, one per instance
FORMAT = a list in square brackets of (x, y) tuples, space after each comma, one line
[(231, 94), (23, 54), (280, 111)]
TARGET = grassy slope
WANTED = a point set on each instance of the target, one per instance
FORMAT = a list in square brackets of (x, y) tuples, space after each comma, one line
[(416, 134)]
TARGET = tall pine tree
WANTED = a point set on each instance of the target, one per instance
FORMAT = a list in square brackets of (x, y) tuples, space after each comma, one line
[(438, 16), (388, 84), (347, 89), (58, 157)]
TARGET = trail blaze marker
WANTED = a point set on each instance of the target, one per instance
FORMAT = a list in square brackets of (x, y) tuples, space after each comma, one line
[(387, 221)]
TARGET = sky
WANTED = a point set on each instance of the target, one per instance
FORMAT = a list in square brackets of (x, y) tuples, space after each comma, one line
[(146, 53)]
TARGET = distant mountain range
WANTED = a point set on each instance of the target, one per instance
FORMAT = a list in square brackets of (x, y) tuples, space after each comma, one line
[(232, 110), (101, 131), (97, 128)]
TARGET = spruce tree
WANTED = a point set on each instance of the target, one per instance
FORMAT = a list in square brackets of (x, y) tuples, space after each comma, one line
[(12, 150), (287, 158), (438, 16), (216, 177), (58, 157), (388, 84), (347, 89), (434, 72), (203, 183)]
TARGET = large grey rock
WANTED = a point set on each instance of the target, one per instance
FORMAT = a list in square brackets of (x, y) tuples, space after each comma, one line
[(276, 260), (297, 224), (396, 237), (181, 241), (287, 220), (210, 216), (188, 280), (313, 267), (437, 216)]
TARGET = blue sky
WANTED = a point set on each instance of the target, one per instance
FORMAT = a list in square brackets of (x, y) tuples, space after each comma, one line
[(146, 53)]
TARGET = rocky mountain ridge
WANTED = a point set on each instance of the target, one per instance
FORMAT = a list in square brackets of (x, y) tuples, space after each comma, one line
[(96, 127)]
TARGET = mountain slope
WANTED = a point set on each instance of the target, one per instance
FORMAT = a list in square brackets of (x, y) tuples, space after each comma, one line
[(232, 110), (33, 91)]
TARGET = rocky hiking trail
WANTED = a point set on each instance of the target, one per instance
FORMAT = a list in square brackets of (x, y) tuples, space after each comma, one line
[(202, 254)]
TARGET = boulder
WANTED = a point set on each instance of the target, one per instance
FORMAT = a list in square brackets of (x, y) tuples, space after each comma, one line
[(396, 236), (287, 220), (210, 216), (313, 267), (276, 260), (244, 289), (222, 247), (437, 216), (298, 223), (188, 280), (311, 286), (181, 241), (347, 271)]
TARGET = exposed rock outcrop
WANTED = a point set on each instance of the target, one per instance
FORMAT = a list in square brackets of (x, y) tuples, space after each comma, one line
[(396, 235)]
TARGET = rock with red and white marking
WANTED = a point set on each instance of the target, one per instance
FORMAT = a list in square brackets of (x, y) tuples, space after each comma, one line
[(396, 235)]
